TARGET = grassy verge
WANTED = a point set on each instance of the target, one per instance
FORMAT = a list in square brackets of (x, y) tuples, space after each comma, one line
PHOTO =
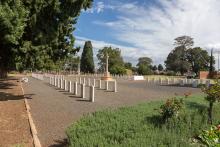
[(141, 125)]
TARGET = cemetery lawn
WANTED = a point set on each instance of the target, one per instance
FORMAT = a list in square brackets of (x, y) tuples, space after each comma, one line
[(141, 125)]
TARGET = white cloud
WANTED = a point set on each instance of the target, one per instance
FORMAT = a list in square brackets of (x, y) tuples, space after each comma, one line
[(97, 8), (151, 30)]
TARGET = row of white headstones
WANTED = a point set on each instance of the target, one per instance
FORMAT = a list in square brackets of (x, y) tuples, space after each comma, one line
[(180, 81), (60, 82)]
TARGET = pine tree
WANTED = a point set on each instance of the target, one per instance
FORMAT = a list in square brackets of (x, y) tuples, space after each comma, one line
[(13, 16), (37, 34), (87, 62)]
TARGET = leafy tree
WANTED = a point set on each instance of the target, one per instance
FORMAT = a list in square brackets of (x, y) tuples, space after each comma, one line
[(143, 65), (13, 17), (72, 63), (198, 59), (160, 67), (128, 65), (87, 62), (116, 63), (185, 41), (177, 59)]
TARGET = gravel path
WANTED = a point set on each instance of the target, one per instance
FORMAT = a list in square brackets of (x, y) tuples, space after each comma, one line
[(53, 110)]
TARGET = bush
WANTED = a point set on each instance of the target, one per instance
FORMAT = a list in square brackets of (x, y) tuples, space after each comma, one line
[(212, 95), (171, 108), (116, 69), (211, 137)]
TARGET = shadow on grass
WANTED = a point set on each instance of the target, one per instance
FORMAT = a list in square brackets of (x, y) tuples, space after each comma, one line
[(155, 120), (194, 105), (60, 143)]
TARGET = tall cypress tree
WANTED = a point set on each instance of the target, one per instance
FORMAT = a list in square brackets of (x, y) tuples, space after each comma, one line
[(211, 65), (87, 62)]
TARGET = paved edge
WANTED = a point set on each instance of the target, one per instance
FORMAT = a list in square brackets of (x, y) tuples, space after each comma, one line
[(36, 140)]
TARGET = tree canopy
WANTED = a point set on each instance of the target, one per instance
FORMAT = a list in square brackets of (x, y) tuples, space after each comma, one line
[(13, 16), (160, 67), (116, 63), (185, 58), (143, 66), (37, 32), (87, 62)]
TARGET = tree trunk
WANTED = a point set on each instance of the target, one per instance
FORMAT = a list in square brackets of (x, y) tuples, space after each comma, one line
[(210, 112), (3, 72)]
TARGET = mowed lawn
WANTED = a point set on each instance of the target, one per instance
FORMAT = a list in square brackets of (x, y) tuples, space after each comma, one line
[(141, 125)]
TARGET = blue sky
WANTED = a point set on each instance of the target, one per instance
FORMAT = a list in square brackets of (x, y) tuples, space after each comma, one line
[(148, 27)]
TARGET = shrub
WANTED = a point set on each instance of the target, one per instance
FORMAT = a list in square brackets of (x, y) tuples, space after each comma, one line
[(171, 108), (211, 137), (212, 95)]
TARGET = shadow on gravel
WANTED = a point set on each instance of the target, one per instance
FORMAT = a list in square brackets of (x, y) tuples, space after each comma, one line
[(7, 96), (4, 85), (83, 100), (60, 143), (73, 96)]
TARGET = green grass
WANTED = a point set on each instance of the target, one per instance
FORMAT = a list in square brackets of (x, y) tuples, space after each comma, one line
[(141, 125)]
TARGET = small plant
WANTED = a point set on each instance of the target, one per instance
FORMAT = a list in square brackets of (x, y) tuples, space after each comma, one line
[(171, 108), (212, 95), (211, 137), (187, 94)]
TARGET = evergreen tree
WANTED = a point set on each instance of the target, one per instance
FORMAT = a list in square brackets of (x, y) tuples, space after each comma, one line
[(37, 34), (160, 67), (13, 16), (87, 62)]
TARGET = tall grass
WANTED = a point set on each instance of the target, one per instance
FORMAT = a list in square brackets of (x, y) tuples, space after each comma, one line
[(141, 125)]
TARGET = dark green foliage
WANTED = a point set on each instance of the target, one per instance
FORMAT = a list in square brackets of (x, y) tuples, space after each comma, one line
[(184, 58), (144, 66), (13, 17), (37, 34), (116, 63), (128, 65), (141, 125), (199, 59), (87, 62), (176, 60), (160, 67), (211, 66), (154, 68)]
